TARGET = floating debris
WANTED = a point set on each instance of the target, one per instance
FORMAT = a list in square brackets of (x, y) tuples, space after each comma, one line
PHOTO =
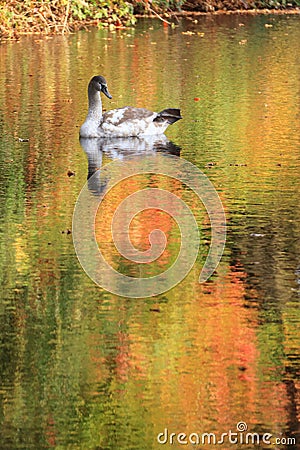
[(66, 232), (154, 310)]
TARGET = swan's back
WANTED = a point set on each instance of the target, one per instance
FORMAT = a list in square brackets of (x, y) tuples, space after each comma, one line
[(130, 121)]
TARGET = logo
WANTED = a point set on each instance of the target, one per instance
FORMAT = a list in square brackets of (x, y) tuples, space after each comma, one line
[(167, 168)]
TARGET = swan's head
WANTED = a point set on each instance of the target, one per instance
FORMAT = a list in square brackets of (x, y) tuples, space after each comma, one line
[(99, 84)]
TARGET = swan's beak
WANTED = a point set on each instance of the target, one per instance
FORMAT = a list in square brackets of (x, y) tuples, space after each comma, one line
[(105, 91)]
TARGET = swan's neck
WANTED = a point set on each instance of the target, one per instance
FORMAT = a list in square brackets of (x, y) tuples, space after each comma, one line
[(95, 105)]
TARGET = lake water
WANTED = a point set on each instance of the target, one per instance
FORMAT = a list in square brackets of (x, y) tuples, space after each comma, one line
[(83, 368)]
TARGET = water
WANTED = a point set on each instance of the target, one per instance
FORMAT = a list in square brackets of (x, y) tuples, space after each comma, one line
[(85, 369)]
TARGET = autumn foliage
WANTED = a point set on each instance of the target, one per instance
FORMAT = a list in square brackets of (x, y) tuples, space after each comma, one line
[(63, 16)]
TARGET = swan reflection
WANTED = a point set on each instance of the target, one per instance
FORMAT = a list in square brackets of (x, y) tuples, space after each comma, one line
[(121, 148)]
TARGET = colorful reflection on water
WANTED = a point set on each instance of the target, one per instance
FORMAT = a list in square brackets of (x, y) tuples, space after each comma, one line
[(84, 369)]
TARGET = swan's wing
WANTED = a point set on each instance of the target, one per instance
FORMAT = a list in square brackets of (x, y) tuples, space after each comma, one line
[(128, 121), (127, 114)]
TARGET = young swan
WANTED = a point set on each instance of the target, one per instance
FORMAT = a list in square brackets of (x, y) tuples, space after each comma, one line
[(122, 122)]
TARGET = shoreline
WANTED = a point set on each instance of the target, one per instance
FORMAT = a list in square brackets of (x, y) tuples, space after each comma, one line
[(163, 16), (221, 12), (186, 13)]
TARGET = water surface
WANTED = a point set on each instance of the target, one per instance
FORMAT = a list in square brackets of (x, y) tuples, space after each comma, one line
[(84, 369)]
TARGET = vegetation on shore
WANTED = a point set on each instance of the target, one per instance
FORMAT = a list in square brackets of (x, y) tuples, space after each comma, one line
[(62, 16)]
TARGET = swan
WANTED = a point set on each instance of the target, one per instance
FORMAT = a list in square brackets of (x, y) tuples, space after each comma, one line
[(122, 122)]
